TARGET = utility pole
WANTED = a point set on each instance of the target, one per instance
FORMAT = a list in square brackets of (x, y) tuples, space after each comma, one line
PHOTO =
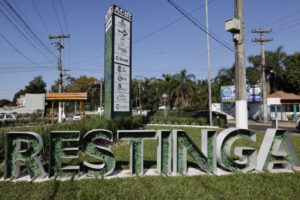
[(240, 70), (60, 46), (64, 87), (208, 63), (263, 81), (236, 27)]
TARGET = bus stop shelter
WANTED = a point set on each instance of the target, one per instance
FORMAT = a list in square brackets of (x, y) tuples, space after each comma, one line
[(66, 97)]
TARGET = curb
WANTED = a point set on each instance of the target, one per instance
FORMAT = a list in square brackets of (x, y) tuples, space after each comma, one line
[(186, 126)]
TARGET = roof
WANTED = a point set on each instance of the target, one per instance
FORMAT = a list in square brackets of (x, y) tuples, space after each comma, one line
[(284, 96), (80, 96)]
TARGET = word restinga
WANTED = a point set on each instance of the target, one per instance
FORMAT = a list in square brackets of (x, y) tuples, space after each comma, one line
[(276, 151)]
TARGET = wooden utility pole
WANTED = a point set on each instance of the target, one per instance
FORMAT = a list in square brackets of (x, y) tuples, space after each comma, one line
[(60, 46), (263, 81), (240, 69), (64, 86)]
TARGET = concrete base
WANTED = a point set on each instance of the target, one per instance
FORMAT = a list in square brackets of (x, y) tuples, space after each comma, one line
[(121, 174), (241, 113)]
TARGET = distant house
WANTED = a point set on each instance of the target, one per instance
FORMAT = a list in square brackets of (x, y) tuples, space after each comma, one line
[(28, 103), (283, 105)]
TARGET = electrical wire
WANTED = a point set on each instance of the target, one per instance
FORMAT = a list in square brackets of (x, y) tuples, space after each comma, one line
[(19, 50), (28, 27), (57, 18), (152, 32), (40, 16), (64, 16), (200, 26), (168, 25), (23, 35), (281, 19)]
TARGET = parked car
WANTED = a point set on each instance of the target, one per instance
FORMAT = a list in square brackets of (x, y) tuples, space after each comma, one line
[(7, 118), (298, 124), (215, 115), (76, 116)]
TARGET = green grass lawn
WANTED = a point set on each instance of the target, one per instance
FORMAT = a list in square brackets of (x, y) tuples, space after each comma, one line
[(237, 186)]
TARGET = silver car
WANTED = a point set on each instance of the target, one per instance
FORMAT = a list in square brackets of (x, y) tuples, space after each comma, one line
[(7, 118), (298, 124)]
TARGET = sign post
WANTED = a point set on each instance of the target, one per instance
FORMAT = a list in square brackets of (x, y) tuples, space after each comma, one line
[(117, 62)]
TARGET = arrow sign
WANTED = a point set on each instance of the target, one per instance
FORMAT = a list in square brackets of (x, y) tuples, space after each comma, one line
[(124, 33)]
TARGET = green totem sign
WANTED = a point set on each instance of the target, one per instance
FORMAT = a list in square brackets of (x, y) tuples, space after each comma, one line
[(117, 62)]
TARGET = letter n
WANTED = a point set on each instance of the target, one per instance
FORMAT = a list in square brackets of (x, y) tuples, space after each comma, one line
[(182, 145)]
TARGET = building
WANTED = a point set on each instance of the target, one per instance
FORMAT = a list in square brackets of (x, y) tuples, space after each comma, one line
[(283, 106), (28, 104)]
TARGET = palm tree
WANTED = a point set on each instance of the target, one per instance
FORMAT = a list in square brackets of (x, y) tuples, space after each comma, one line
[(134, 93), (185, 88), (274, 69)]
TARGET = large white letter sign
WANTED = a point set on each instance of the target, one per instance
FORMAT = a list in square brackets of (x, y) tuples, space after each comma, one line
[(182, 145), (247, 155), (136, 139), (277, 152)]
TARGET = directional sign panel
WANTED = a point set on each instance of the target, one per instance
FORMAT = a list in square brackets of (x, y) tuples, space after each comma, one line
[(118, 63), (122, 41)]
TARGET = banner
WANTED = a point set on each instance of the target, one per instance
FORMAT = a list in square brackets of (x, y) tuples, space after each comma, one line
[(228, 93)]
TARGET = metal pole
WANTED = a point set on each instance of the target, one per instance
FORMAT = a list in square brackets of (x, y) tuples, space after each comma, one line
[(208, 62), (140, 101), (240, 75), (52, 111), (100, 98)]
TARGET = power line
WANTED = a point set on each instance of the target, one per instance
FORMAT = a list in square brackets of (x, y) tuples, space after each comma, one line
[(40, 16), (64, 15), (28, 27), (167, 25), (21, 67), (53, 6), (18, 50), (200, 26), (23, 35), (281, 19)]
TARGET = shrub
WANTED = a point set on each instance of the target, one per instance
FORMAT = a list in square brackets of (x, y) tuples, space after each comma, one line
[(202, 121), (83, 126)]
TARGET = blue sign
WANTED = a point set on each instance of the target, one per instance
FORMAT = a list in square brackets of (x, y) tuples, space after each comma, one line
[(253, 93)]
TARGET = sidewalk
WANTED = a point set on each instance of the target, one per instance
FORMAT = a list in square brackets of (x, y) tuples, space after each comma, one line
[(260, 123)]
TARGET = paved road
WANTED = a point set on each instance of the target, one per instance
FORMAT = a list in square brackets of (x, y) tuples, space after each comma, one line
[(263, 127)]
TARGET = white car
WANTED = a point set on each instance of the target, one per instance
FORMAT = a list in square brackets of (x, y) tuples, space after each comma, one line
[(76, 117), (298, 124), (7, 118)]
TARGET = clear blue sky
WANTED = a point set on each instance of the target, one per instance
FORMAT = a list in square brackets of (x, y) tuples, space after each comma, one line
[(178, 46)]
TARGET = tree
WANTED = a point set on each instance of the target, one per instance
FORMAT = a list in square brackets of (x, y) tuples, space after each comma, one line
[(84, 83), (185, 88), (36, 86), (292, 72), (134, 93), (5, 102), (150, 99), (225, 76), (17, 95), (274, 69), (70, 85)]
